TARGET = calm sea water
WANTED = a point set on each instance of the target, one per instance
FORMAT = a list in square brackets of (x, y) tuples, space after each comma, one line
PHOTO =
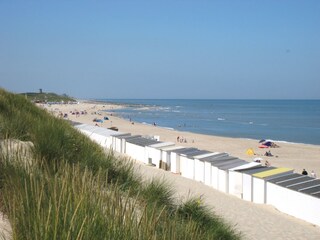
[(281, 120)]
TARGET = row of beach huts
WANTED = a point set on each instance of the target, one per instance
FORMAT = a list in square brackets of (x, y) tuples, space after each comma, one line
[(292, 193)]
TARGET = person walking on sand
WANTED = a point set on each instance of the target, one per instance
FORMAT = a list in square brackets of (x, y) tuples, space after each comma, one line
[(313, 174)]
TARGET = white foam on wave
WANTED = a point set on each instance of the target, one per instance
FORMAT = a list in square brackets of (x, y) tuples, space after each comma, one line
[(221, 119)]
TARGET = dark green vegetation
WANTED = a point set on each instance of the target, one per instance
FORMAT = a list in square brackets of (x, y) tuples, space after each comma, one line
[(72, 189), (43, 97)]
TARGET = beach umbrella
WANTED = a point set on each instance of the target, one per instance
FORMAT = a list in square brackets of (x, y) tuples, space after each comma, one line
[(267, 144), (106, 118)]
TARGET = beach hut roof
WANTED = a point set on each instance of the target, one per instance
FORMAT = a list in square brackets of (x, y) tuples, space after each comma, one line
[(98, 130), (185, 150), (285, 178), (204, 155), (316, 194), (171, 148), (225, 162), (255, 170), (233, 164), (273, 172), (249, 165), (294, 181), (140, 141), (311, 190), (222, 159), (306, 185), (196, 153), (215, 157), (162, 144), (124, 136)]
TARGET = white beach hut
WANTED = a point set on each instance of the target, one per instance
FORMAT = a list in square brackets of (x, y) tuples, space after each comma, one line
[(166, 155), (175, 158), (259, 185), (117, 142), (297, 195), (215, 169), (207, 166), (154, 152), (247, 181), (136, 148), (187, 162), (223, 173), (235, 178), (200, 171), (102, 136)]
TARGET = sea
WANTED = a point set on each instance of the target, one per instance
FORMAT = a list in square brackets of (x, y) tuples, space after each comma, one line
[(294, 121)]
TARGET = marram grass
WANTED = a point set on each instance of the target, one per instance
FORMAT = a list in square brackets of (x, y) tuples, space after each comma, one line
[(73, 190)]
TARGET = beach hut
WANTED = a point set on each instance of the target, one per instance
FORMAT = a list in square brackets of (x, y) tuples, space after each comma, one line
[(154, 152), (166, 155), (223, 173), (207, 166), (136, 148), (218, 175), (117, 141), (247, 186), (235, 178), (187, 162), (175, 158), (259, 185), (199, 170), (297, 195), (100, 135), (215, 169)]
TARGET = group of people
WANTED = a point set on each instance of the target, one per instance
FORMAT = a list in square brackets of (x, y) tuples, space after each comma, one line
[(268, 154), (312, 174), (181, 139)]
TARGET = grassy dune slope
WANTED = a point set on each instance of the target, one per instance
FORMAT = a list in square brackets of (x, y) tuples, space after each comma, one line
[(71, 189)]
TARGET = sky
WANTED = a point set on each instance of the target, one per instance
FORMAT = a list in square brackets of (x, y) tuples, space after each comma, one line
[(162, 49)]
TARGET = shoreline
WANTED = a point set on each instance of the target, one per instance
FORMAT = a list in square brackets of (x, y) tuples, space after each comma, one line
[(240, 138), (220, 122)]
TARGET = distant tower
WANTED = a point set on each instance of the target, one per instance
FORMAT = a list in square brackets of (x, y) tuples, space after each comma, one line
[(40, 90)]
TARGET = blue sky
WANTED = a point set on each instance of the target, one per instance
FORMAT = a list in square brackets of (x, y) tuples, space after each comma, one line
[(162, 49)]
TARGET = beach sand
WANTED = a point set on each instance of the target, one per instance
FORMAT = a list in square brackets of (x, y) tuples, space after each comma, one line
[(254, 221)]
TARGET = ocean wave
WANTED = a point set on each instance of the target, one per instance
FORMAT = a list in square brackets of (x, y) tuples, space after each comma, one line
[(221, 119)]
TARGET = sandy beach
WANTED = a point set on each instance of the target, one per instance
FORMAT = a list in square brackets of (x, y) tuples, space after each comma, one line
[(254, 221), (296, 156)]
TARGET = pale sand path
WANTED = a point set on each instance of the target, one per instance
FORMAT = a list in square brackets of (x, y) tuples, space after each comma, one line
[(255, 221)]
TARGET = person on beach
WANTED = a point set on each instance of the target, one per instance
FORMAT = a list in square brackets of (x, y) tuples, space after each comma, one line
[(267, 164), (313, 174), (178, 139), (268, 154), (304, 172)]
